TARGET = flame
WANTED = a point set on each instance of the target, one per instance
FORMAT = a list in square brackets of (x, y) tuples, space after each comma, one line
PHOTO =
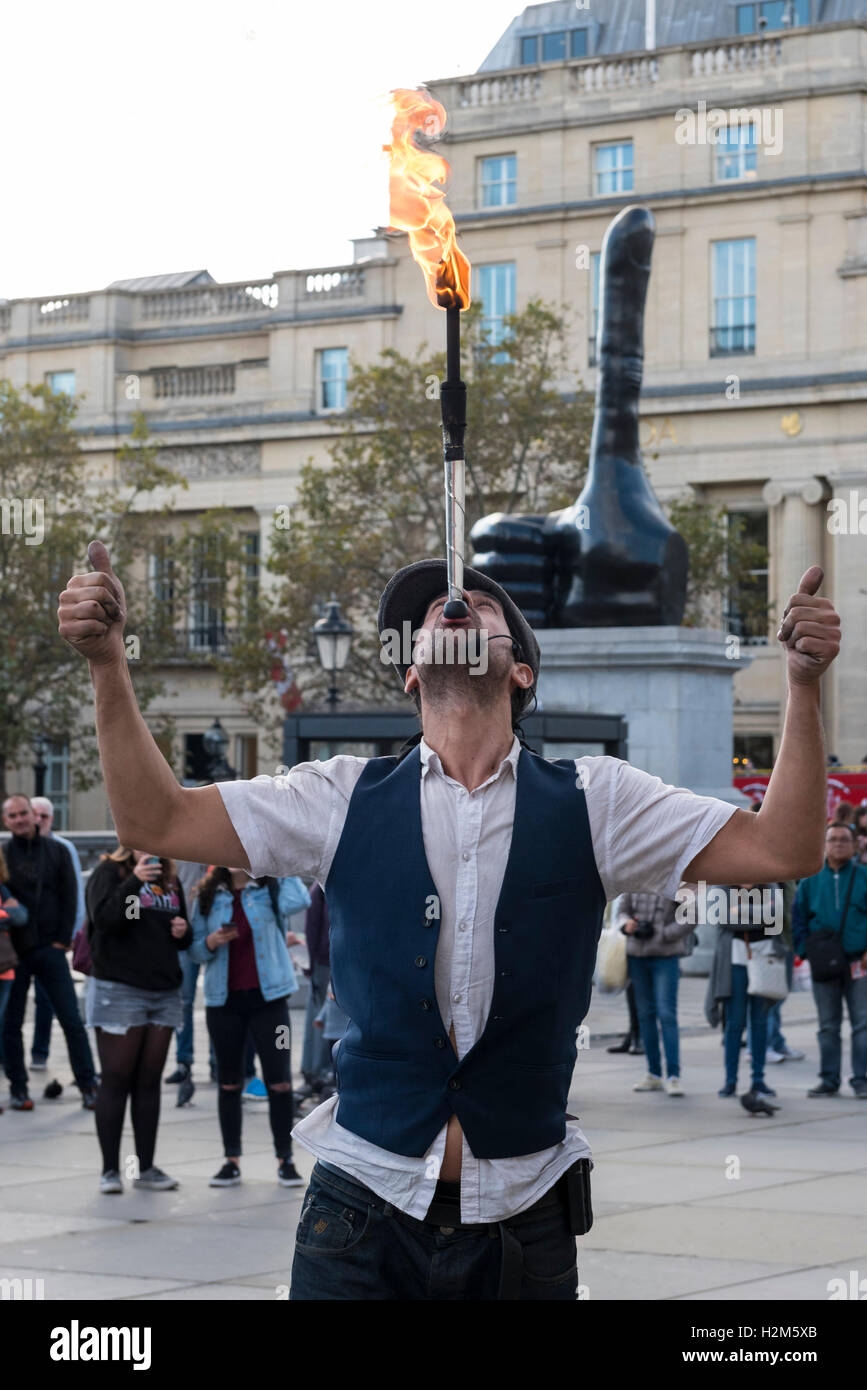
[(417, 206)]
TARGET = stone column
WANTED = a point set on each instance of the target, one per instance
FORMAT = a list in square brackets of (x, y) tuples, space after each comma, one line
[(846, 542)]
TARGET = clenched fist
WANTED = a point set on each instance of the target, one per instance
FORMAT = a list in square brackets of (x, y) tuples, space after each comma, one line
[(810, 630), (92, 611)]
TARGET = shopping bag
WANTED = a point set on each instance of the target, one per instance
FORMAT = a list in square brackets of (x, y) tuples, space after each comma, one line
[(766, 971), (611, 968), (802, 977)]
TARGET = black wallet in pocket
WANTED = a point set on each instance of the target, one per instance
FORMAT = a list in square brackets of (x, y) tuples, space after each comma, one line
[(578, 1194)]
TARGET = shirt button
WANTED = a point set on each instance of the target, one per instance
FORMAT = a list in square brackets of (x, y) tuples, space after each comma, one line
[(465, 855), (425, 1004), (421, 962), (463, 926), (456, 998), (454, 1084)]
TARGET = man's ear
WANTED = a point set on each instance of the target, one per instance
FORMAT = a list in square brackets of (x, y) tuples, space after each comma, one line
[(411, 683), (522, 675)]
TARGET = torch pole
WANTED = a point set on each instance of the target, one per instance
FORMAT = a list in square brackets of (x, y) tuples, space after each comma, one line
[(453, 405)]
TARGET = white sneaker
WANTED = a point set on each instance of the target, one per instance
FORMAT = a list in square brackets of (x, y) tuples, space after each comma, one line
[(110, 1181), (772, 1056), (791, 1054), (673, 1086), (650, 1083)]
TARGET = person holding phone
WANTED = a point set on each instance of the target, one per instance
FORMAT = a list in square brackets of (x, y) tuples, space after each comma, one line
[(138, 924)]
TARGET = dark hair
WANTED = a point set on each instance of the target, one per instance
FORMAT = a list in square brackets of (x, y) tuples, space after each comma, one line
[(217, 876), (844, 812), (840, 825), (123, 858)]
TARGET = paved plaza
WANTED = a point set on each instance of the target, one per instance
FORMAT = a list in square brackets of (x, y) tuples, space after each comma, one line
[(672, 1222)]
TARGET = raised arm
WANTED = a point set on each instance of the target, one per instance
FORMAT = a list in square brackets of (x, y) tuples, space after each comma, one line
[(785, 839), (150, 808)]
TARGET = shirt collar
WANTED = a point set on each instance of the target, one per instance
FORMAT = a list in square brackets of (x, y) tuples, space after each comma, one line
[(431, 762)]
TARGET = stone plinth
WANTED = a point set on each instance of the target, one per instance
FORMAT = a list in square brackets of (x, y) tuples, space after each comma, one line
[(673, 685)]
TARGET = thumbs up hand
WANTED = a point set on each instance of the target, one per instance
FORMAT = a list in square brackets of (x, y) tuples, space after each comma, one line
[(810, 630), (92, 611)]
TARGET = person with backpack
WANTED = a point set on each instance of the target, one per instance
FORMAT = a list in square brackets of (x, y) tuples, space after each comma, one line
[(655, 941), (830, 931), (239, 935)]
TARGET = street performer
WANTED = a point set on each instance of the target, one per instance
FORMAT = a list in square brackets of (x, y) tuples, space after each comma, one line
[(465, 883)]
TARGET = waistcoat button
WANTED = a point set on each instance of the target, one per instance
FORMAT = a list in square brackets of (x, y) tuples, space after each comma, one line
[(425, 1004), (439, 1042), (421, 962), (454, 1084)]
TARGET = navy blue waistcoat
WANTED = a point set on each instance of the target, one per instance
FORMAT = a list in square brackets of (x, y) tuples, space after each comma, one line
[(399, 1079)]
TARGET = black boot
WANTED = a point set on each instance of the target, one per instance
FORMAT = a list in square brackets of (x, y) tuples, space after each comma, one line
[(623, 1046)]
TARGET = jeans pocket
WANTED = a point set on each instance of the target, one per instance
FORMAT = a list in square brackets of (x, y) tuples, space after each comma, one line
[(329, 1225), (549, 1251)]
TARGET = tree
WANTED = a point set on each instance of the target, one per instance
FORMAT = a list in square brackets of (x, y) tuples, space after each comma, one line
[(51, 505), (722, 587), (380, 504)]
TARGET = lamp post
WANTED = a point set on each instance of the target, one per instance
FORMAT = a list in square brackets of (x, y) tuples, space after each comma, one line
[(333, 640), (216, 741), (40, 748)]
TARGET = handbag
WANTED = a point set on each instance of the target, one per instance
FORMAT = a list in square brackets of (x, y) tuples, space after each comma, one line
[(824, 948), (81, 957), (766, 971), (611, 968)]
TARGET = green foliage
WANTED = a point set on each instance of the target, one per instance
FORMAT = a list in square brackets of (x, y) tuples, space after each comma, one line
[(722, 557)]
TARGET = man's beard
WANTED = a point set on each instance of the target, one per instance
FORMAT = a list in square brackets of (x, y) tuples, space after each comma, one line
[(446, 684)]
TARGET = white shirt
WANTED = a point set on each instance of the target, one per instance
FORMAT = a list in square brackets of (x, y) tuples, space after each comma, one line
[(644, 833)]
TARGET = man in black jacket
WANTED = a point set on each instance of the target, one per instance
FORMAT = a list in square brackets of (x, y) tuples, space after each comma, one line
[(42, 877)]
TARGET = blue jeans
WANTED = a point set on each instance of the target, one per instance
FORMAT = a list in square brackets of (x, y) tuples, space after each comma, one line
[(739, 1006), (44, 1017), (654, 980), (829, 996), (49, 965), (5, 991), (316, 1054), (350, 1244)]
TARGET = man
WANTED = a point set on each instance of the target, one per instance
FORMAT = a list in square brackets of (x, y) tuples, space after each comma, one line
[(44, 811), (447, 1165), (835, 899), (42, 877)]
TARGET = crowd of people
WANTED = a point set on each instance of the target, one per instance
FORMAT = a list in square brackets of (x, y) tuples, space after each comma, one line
[(819, 923), (145, 927)]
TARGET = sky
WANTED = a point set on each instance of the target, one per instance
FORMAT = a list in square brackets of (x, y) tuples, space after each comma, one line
[(245, 138)]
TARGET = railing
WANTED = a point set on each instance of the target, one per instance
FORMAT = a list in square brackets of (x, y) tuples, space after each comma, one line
[(736, 339), (616, 73), (209, 301), (74, 308), (173, 382), (746, 55), (202, 641), (497, 91), (334, 284)]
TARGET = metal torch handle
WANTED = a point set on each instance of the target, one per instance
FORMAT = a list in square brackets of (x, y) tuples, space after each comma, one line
[(455, 519)]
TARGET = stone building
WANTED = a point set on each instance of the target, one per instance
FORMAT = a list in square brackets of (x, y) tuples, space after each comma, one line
[(739, 125)]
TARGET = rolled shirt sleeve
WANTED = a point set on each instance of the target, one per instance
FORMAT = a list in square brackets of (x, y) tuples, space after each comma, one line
[(290, 825), (644, 831)]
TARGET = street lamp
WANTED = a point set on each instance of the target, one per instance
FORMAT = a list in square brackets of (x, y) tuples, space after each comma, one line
[(333, 640), (40, 767), (216, 741)]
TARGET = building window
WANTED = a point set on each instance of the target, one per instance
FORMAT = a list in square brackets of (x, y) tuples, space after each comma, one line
[(753, 752), (161, 573), (207, 596), (737, 152), (61, 383), (333, 375), (614, 167), (530, 51), (579, 43), (553, 47), (247, 756), (747, 598), (733, 328), (495, 287), (57, 782), (777, 14), (251, 571), (498, 180), (595, 280)]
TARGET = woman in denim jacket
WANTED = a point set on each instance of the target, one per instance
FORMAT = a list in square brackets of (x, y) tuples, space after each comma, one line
[(241, 940)]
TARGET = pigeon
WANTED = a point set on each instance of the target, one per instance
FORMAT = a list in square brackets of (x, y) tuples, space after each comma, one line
[(186, 1090), (757, 1104), (52, 1090)]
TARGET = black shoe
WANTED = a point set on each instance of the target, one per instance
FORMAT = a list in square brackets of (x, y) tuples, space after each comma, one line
[(623, 1046), (287, 1175), (20, 1100), (186, 1091), (823, 1089), (88, 1099), (180, 1074), (228, 1176)]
